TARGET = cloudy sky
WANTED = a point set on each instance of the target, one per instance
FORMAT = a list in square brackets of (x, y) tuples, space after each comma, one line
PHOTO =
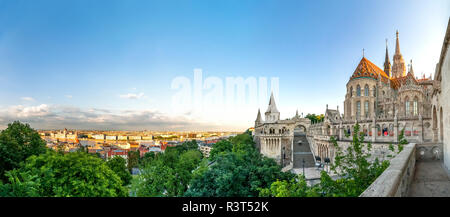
[(131, 64)]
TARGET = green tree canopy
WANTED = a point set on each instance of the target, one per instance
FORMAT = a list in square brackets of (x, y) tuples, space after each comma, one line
[(238, 170), (75, 174), (18, 142), (118, 165), (168, 173)]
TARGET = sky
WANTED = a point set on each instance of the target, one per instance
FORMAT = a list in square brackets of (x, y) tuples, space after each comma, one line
[(170, 65)]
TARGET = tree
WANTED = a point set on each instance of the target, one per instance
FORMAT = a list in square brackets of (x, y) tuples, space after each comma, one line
[(75, 174), (168, 173), (292, 188), (238, 171), (18, 142), (155, 180), (133, 159), (354, 170), (118, 165), (222, 146), (315, 118)]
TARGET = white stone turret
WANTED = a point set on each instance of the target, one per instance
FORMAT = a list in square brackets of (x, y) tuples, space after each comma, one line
[(272, 113)]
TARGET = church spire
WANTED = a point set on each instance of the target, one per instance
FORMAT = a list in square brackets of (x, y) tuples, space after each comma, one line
[(411, 69), (397, 45), (387, 63), (398, 68)]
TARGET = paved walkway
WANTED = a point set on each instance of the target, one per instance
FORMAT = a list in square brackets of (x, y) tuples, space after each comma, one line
[(431, 179)]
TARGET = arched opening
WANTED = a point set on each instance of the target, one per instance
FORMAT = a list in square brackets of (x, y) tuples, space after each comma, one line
[(299, 130), (415, 106), (366, 90), (407, 112), (358, 90)]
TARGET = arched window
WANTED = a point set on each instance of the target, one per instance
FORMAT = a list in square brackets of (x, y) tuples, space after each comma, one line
[(351, 91), (358, 91), (358, 109), (366, 90), (407, 111), (366, 109), (415, 108)]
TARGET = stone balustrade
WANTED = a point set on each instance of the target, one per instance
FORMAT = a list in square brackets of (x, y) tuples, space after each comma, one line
[(395, 181)]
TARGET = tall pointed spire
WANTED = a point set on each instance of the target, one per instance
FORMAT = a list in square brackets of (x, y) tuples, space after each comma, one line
[(258, 117), (397, 45), (387, 63), (398, 68), (411, 69)]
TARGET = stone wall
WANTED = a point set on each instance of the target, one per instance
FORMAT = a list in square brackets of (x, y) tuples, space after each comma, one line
[(395, 181)]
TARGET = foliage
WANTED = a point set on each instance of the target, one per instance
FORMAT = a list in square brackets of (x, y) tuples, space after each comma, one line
[(18, 142), (76, 174), (168, 173), (292, 188), (355, 172), (238, 170), (223, 146), (118, 165), (315, 118), (133, 159)]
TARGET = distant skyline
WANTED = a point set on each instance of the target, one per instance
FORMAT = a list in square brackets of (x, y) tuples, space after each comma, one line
[(111, 64)]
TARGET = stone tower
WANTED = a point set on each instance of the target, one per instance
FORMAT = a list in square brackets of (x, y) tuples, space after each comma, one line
[(398, 68), (387, 63), (272, 113)]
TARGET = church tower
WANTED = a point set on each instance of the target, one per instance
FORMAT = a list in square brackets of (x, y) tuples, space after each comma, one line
[(272, 113), (387, 63), (398, 68)]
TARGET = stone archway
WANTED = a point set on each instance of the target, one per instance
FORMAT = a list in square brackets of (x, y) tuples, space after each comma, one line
[(299, 130)]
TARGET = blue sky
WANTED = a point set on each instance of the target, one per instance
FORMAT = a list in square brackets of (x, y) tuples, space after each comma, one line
[(110, 64)]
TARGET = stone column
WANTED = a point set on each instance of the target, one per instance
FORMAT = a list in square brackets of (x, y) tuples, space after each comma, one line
[(374, 129), (395, 128), (421, 128), (340, 131)]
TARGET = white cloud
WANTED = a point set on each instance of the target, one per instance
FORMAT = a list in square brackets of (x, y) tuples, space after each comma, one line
[(57, 117), (132, 96), (27, 98)]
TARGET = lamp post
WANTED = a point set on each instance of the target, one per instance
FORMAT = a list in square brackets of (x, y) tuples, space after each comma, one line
[(303, 161)]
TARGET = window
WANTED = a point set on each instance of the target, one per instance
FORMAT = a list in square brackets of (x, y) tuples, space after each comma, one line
[(358, 109), (366, 90), (407, 107), (358, 91), (415, 107), (366, 108), (351, 91)]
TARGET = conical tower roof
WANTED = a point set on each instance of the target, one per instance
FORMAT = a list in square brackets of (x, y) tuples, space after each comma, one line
[(272, 107), (258, 117)]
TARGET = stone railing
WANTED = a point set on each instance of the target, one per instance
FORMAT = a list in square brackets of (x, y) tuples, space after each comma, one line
[(396, 179)]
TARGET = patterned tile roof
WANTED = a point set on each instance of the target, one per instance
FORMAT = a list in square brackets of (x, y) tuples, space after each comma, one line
[(366, 68)]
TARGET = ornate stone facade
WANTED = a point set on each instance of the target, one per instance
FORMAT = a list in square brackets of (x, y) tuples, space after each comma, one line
[(382, 103)]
